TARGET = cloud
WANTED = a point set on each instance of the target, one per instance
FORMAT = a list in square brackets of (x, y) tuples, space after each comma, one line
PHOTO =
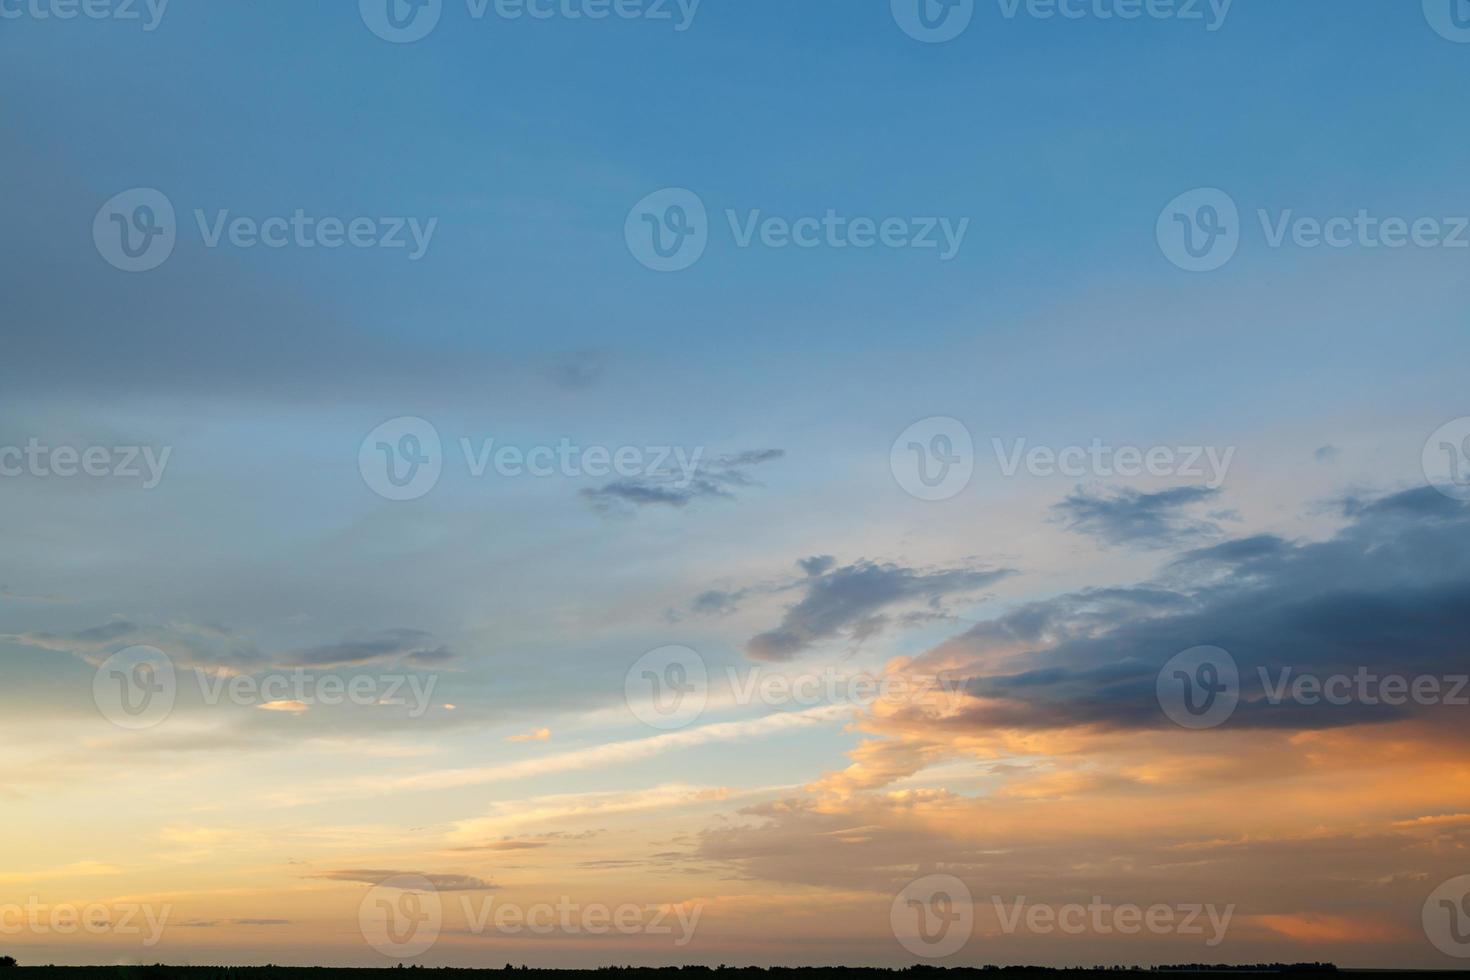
[(1131, 517), (535, 735), (718, 478), (408, 645), (211, 647), (441, 882), (289, 707), (1388, 594), (716, 602), (1327, 454), (579, 369), (850, 602)]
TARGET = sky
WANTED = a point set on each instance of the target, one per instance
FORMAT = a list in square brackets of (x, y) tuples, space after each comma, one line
[(572, 482)]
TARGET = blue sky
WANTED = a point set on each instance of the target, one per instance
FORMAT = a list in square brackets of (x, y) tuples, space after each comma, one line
[(529, 320)]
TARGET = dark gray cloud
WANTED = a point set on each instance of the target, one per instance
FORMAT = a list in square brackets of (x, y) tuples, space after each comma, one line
[(1131, 517), (850, 602), (1389, 593), (440, 882), (817, 564), (578, 370), (717, 478), (716, 603), (408, 645)]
